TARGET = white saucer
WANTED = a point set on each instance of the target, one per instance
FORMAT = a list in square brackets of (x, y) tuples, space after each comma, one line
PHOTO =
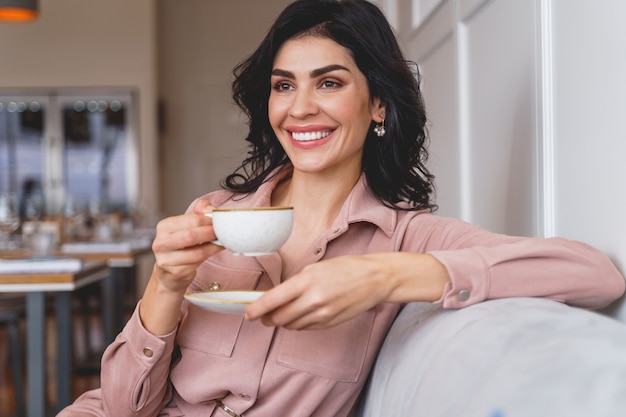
[(223, 301)]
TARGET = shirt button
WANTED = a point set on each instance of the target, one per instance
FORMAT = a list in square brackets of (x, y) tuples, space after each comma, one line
[(317, 251), (214, 286), (244, 397), (463, 295), (147, 352)]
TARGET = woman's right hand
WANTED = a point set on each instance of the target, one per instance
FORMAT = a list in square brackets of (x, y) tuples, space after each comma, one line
[(181, 244)]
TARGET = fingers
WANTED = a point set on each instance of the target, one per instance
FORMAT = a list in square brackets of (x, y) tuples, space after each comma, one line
[(202, 206), (181, 244), (324, 294), (301, 313), (272, 301), (304, 302), (183, 231)]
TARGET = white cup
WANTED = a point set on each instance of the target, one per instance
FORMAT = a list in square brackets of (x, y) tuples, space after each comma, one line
[(253, 231)]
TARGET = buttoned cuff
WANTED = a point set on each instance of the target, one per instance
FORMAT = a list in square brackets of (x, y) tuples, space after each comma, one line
[(469, 277), (146, 347)]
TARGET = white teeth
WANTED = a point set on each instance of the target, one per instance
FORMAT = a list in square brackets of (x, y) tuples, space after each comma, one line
[(306, 136)]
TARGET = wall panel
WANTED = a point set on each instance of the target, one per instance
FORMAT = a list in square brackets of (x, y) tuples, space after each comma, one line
[(497, 103)]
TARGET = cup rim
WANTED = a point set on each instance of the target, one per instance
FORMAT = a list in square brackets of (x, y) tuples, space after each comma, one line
[(276, 208)]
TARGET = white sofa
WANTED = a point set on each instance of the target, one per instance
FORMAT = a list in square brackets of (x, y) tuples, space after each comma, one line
[(516, 357)]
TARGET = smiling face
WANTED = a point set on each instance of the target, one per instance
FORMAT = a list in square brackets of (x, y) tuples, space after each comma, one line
[(319, 106)]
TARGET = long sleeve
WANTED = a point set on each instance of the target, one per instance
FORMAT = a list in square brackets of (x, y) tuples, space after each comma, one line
[(484, 265), (135, 370)]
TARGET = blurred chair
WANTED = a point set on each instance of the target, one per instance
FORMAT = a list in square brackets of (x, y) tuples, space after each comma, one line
[(12, 310), (87, 303)]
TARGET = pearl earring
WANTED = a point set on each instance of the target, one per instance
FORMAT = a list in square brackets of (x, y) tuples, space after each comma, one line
[(379, 129)]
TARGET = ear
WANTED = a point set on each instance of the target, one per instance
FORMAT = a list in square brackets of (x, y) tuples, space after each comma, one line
[(377, 110)]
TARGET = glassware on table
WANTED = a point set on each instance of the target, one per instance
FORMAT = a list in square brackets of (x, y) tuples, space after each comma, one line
[(32, 215), (73, 218), (34, 208), (39, 234), (9, 218)]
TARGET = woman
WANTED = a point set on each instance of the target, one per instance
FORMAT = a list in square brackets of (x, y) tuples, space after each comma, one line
[(337, 132)]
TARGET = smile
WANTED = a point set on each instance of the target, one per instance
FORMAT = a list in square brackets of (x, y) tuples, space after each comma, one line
[(309, 136)]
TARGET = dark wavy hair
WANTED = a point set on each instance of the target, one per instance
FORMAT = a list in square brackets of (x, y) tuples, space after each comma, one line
[(395, 164)]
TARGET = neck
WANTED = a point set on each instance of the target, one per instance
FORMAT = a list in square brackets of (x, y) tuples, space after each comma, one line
[(316, 199)]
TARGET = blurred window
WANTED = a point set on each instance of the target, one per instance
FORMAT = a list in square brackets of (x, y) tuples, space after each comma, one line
[(70, 145)]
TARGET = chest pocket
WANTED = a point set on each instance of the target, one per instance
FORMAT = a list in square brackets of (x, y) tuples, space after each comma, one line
[(338, 353), (212, 332)]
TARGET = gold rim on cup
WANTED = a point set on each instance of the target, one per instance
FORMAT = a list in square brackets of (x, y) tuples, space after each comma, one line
[(252, 209)]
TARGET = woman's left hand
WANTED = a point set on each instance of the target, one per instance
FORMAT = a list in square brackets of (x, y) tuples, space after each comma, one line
[(327, 293)]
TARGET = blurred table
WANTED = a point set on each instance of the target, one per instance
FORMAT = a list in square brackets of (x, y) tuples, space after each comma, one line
[(121, 257), (36, 285)]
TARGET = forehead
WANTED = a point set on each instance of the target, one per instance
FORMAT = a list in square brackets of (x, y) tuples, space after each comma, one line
[(312, 52)]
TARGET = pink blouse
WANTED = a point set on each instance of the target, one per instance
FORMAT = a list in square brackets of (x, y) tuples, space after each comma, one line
[(259, 371)]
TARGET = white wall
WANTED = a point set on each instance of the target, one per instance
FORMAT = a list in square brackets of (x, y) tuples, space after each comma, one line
[(78, 43), (589, 123), (589, 116)]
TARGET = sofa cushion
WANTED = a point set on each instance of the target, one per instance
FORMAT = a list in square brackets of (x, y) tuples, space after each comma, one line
[(515, 357)]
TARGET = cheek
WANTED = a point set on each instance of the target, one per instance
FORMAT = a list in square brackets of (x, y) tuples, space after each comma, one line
[(354, 107), (357, 117), (276, 116), (276, 111)]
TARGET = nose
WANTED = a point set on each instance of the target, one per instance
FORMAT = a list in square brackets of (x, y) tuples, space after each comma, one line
[(303, 104)]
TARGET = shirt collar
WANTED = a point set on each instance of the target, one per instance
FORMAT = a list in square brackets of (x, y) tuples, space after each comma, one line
[(363, 206)]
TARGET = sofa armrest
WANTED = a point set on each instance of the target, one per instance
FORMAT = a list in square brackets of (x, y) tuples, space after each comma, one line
[(515, 357)]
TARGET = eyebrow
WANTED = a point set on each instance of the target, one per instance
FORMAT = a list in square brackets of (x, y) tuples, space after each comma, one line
[(315, 73)]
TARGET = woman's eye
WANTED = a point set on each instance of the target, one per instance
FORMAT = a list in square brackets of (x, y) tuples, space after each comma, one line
[(282, 86), (330, 84)]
